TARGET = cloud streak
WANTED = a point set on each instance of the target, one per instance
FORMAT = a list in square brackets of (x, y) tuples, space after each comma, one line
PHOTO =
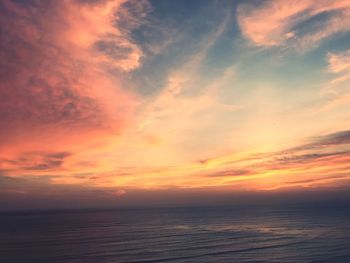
[(337, 90), (281, 23)]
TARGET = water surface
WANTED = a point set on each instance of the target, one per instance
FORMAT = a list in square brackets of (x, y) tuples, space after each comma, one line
[(221, 234)]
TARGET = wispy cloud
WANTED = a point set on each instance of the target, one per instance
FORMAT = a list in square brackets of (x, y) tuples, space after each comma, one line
[(297, 23), (314, 161), (34, 161), (337, 90), (339, 62)]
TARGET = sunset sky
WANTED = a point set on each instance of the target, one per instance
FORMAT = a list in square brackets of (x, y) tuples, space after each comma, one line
[(107, 102)]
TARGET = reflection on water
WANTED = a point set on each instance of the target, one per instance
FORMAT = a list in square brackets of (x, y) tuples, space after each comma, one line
[(251, 234)]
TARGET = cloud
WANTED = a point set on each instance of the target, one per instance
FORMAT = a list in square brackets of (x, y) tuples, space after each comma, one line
[(120, 192), (300, 23), (53, 61), (188, 104), (56, 64), (287, 159), (35, 161), (314, 161), (339, 62), (231, 173), (318, 180), (336, 93), (337, 138)]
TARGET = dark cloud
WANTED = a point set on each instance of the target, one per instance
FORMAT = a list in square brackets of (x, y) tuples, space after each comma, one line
[(316, 180), (294, 157), (35, 161), (342, 137), (332, 139), (5, 180)]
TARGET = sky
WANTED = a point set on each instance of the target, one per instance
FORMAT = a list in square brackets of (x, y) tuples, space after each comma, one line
[(117, 103)]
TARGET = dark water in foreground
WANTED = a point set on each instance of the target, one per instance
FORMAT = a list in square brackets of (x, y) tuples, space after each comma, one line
[(251, 234)]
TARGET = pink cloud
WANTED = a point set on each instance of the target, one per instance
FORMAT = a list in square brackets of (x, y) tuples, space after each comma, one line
[(339, 65), (339, 62), (275, 23), (56, 58), (120, 192)]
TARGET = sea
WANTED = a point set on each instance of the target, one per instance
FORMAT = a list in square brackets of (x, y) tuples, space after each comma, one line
[(193, 234)]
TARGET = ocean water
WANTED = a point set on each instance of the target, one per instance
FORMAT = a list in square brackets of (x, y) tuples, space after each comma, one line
[(213, 234)]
